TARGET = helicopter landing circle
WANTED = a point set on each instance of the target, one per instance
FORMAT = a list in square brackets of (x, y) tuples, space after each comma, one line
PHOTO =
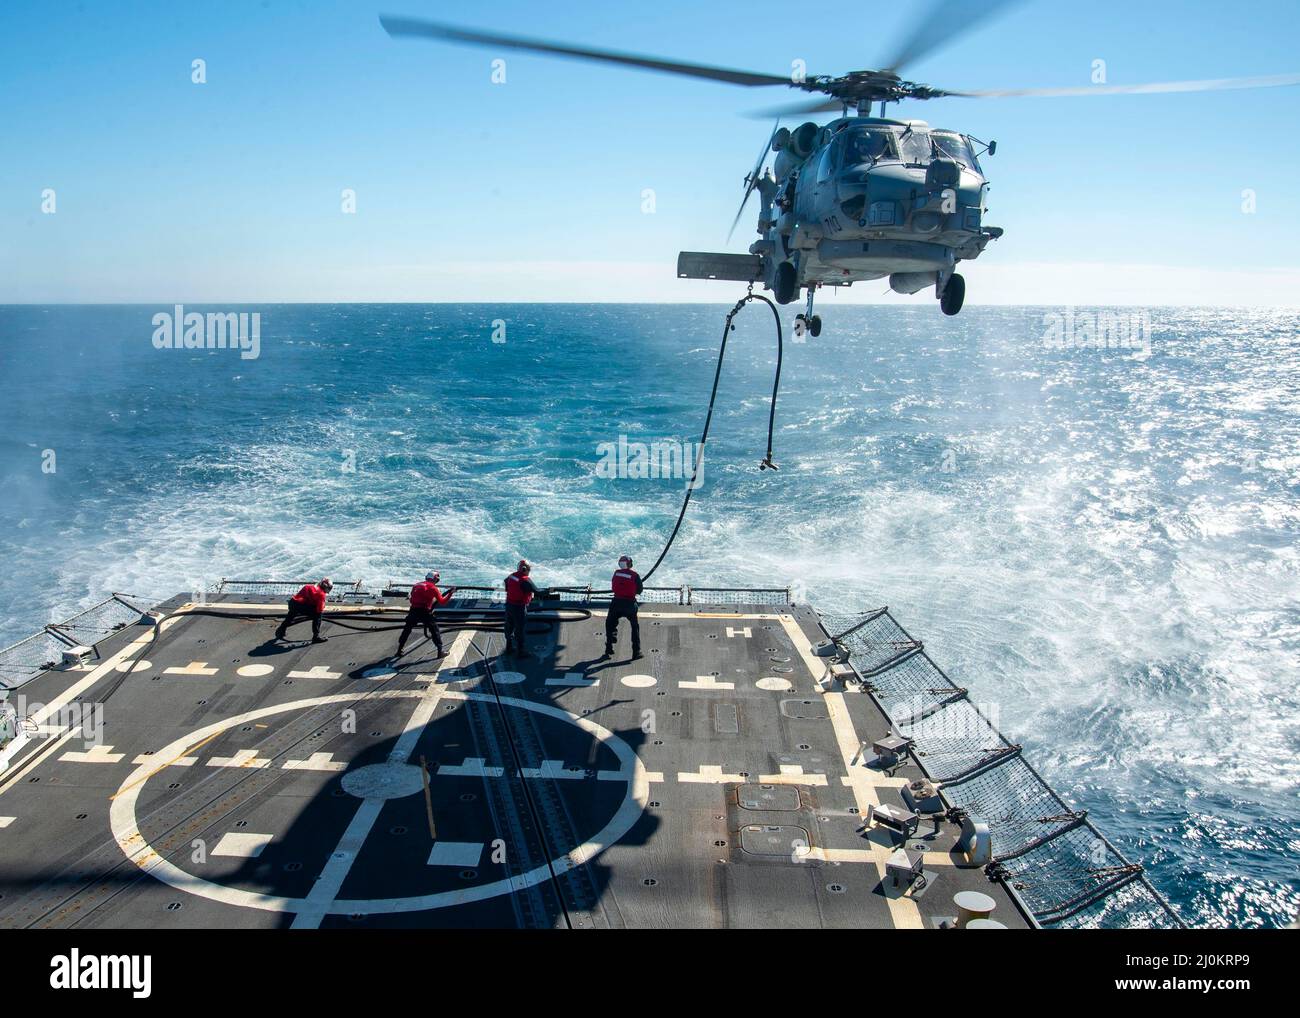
[(125, 825)]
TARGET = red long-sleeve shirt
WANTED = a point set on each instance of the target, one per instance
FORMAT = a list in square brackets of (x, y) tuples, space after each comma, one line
[(426, 594), (312, 597)]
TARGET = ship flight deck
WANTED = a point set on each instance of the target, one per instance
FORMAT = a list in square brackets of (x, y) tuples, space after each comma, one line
[(197, 773)]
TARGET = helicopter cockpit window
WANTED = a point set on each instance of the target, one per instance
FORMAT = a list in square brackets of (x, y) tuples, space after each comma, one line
[(914, 147), (956, 147), (869, 147), (826, 165)]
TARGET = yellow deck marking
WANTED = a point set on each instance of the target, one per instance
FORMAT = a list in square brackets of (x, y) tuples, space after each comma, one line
[(182, 755), (902, 910), (428, 799)]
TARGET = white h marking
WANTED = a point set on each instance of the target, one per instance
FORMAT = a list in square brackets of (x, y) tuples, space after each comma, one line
[(573, 679), (242, 758), (96, 754), (193, 668), (706, 682)]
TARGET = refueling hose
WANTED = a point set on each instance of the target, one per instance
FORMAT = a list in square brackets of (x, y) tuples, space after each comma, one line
[(767, 463), (487, 620)]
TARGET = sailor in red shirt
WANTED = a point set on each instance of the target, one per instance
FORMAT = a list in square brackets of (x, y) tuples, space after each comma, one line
[(308, 603), (626, 585), (425, 597), (520, 590)]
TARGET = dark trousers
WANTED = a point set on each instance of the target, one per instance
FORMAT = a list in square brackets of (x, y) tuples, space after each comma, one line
[(622, 608), (296, 614), (421, 617), (515, 616)]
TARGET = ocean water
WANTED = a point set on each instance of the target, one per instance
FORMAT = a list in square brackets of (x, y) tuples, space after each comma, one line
[(1101, 541)]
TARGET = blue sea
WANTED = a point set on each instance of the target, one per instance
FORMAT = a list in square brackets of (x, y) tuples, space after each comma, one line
[(1101, 540)]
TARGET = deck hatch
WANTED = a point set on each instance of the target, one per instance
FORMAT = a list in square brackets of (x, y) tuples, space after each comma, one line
[(778, 798), (781, 841), (805, 710)]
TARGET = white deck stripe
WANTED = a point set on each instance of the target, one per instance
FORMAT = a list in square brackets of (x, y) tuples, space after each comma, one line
[(465, 854), (792, 774), (326, 889), (241, 844), (709, 774)]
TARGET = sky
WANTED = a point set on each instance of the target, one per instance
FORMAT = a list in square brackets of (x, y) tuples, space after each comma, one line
[(233, 189)]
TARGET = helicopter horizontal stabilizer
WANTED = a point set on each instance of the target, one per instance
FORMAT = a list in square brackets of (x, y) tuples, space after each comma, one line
[(743, 268)]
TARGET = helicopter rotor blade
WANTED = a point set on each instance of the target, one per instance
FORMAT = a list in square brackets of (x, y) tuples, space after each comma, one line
[(399, 27), (808, 106), (752, 179), (1153, 88), (944, 22)]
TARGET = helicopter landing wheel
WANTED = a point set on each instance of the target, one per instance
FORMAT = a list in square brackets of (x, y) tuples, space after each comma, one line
[(805, 326), (786, 283), (954, 295)]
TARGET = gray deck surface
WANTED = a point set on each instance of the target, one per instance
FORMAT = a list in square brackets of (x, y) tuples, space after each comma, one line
[(681, 790)]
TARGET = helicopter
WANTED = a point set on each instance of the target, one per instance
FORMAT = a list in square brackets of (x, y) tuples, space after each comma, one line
[(863, 197)]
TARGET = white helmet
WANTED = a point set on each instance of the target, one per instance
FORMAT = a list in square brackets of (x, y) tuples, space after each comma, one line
[(432, 576), (325, 584), (625, 562)]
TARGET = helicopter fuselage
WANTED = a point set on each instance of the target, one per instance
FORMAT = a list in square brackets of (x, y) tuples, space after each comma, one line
[(867, 198)]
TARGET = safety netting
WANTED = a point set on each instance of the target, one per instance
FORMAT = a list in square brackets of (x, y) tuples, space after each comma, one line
[(701, 596), (1060, 865), (287, 588), (705, 596), (34, 654)]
